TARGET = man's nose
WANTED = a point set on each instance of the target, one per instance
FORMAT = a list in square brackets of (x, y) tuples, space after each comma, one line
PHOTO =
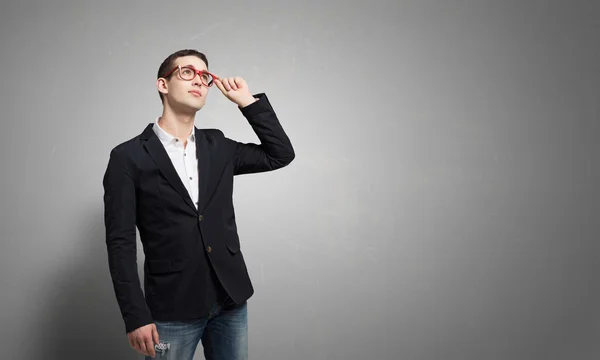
[(196, 80)]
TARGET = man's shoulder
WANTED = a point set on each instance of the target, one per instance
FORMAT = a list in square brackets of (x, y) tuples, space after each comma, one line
[(134, 143), (128, 151), (212, 133), (213, 136), (127, 146)]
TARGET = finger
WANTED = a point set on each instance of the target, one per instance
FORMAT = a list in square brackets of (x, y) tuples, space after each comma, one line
[(220, 85), (138, 346), (234, 86), (239, 82), (131, 342), (142, 345), (224, 83), (227, 85), (150, 347)]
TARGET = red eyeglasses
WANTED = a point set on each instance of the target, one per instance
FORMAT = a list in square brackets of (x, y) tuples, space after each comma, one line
[(188, 73)]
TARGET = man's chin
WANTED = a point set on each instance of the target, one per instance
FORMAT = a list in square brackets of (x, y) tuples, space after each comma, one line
[(193, 106), (197, 105), (190, 107)]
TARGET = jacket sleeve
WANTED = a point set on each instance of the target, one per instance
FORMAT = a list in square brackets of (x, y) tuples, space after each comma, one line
[(120, 222), (275, 150)]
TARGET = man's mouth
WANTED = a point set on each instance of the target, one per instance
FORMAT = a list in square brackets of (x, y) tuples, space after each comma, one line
[(196, 93)]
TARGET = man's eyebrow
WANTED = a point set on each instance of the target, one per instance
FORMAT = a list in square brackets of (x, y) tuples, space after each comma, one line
[(190, 65)]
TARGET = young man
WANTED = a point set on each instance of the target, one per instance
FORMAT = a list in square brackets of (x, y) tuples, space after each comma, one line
[(175, 182)]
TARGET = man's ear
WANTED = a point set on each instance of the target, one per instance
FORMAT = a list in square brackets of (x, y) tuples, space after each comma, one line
[(161, 85)]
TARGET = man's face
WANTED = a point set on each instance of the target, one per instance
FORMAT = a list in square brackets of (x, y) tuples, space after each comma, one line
[(185, 95)]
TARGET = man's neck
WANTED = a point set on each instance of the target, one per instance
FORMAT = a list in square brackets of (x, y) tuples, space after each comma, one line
[(177, 125)]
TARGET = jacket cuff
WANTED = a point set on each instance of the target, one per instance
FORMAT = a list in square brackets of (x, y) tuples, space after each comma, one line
[(132, 323), (259, 106)]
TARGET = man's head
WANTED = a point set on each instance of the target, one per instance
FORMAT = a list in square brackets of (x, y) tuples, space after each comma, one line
[(179, 86)]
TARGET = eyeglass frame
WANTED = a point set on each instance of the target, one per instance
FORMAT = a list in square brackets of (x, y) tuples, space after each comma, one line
[(197, 72)]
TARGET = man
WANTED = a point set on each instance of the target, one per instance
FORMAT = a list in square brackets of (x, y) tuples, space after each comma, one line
[(175, 182)]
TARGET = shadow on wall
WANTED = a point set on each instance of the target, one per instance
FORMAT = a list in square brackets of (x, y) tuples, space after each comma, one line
[(84, 322)]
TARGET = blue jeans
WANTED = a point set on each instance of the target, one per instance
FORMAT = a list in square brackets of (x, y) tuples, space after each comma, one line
[(224, 335)]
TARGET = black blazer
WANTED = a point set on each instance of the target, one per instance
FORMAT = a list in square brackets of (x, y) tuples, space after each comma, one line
[(143, 189)]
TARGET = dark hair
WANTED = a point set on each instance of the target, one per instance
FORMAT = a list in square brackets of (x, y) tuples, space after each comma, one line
[(169, 62)]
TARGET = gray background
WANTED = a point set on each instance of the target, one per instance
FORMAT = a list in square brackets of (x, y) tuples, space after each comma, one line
[(443, 204)]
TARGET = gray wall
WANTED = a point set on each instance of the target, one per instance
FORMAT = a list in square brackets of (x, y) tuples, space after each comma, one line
[(443, 204)]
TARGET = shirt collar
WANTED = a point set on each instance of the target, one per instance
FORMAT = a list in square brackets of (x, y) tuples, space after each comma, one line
[(167, 138)]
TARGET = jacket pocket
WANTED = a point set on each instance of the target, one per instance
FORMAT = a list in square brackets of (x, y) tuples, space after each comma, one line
[(232, 241), (165, 266), (163, 283)]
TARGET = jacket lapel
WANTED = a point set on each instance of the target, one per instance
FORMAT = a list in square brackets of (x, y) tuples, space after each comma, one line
[(162, 160), (204, 163)]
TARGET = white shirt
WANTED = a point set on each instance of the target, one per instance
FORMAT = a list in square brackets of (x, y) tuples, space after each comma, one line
[(184, 160)]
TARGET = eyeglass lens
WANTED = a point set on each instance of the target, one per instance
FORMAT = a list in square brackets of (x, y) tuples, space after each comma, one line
[(188, 74)]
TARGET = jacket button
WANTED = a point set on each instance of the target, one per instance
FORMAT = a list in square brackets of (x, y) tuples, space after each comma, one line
[(208, 248), (201, 217)]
